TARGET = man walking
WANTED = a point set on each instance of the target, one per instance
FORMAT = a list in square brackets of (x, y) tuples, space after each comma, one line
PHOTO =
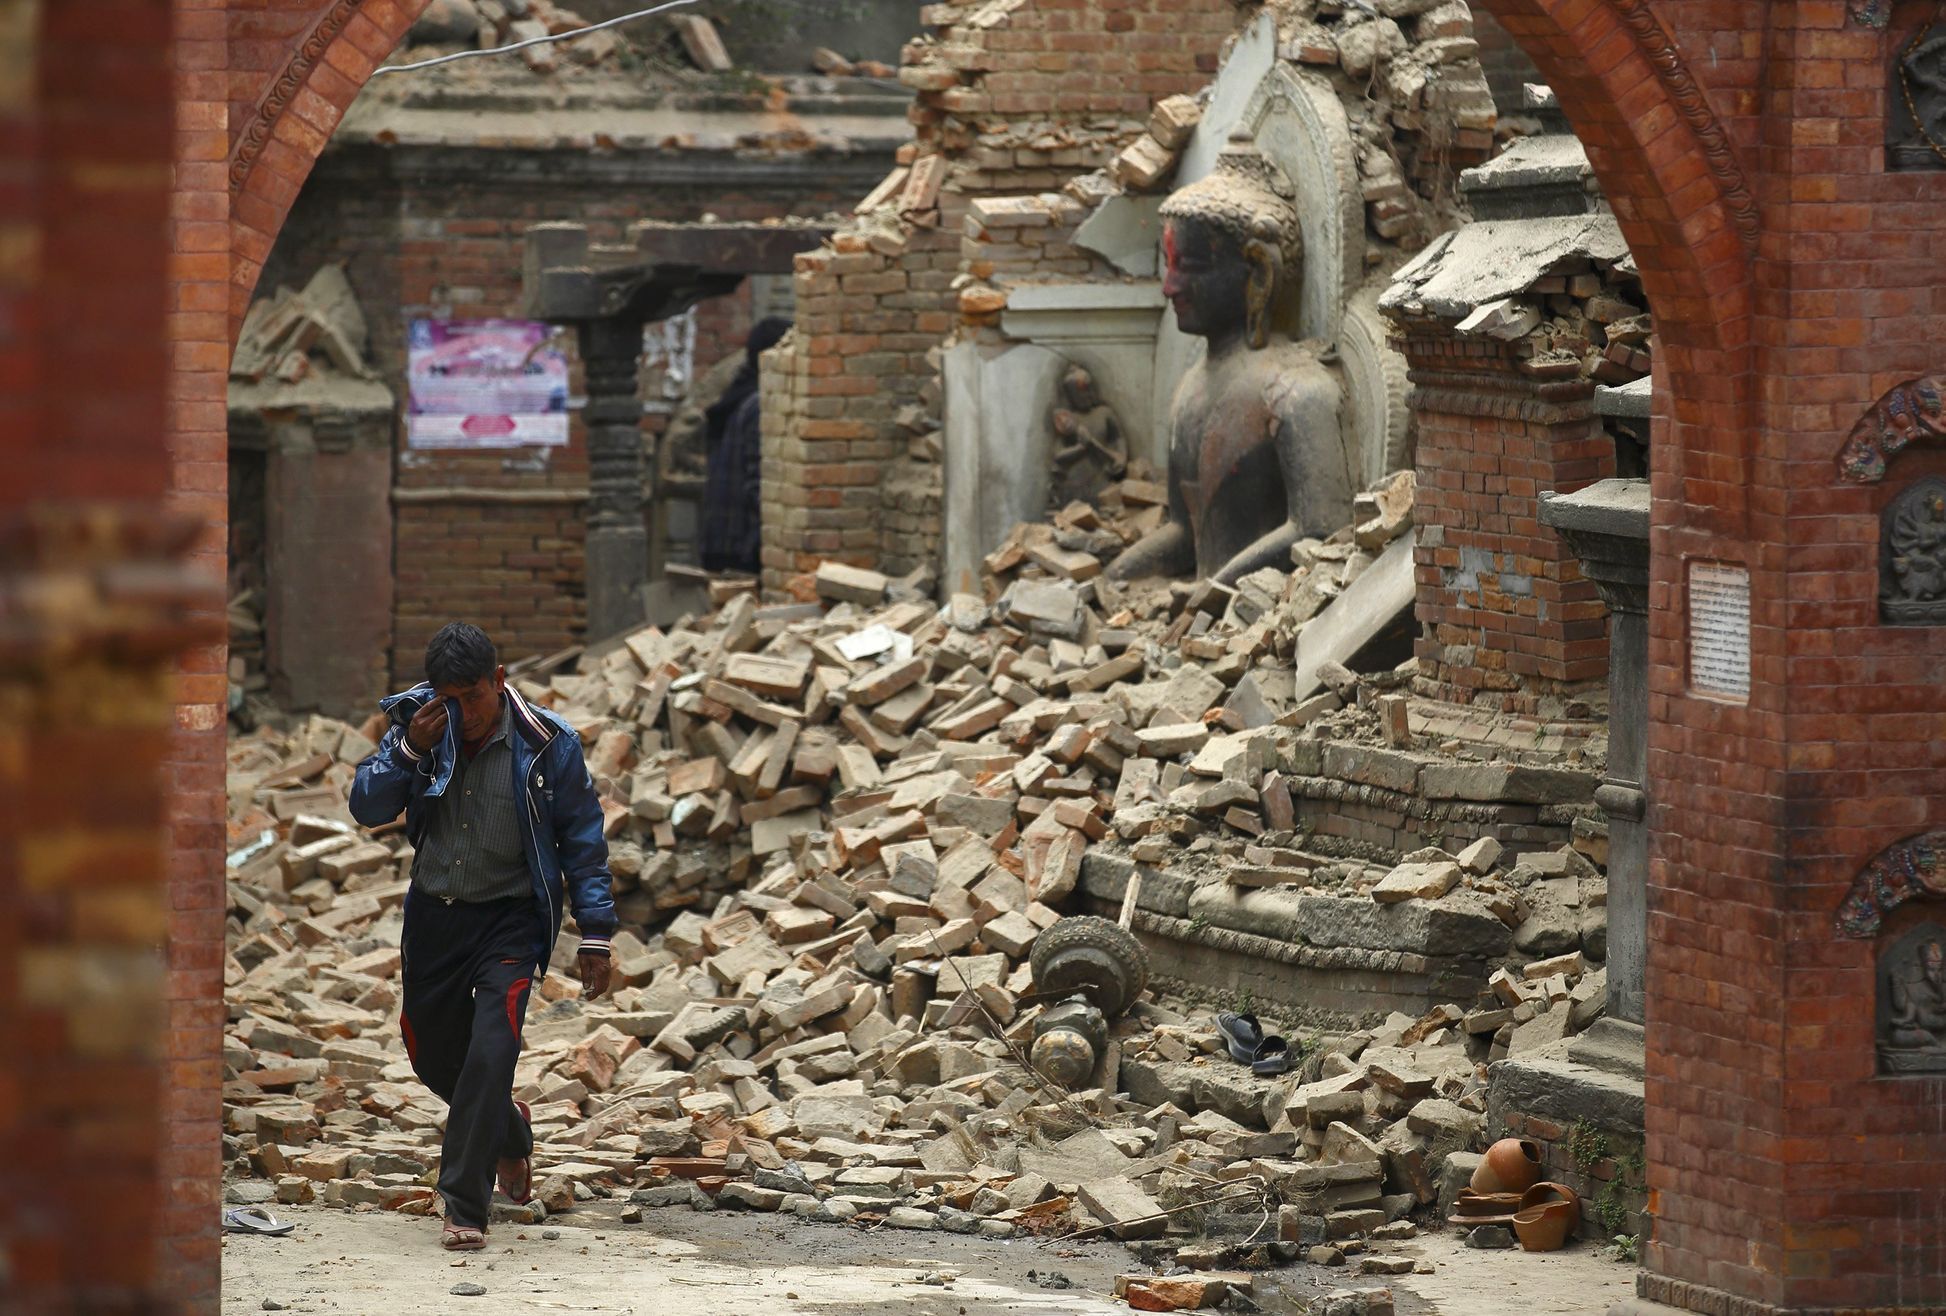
[(504, 824)]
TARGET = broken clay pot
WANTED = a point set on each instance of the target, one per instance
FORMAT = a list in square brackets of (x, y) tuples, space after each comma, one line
[(1544, 1228), (1512, 1165), (1472, 1208), (1549, 1214)]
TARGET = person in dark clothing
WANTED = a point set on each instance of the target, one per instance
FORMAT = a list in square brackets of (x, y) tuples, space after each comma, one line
[(505, 829), (733, 490)]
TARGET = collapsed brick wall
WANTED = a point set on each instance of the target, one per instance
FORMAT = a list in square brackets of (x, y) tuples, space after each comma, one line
[(494, 535), (1012, 97), (1506, 413)]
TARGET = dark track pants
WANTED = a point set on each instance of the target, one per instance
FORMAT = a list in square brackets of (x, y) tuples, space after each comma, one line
[(468, 969)]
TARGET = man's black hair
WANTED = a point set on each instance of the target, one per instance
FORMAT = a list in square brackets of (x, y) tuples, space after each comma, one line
[(460, 654)]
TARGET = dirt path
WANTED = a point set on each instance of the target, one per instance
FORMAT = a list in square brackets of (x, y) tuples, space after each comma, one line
[(680, 1263)]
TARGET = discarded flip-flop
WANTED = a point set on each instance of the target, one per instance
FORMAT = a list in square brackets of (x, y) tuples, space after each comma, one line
[(254, 1220), (1273, 1058), (1242, 1034)]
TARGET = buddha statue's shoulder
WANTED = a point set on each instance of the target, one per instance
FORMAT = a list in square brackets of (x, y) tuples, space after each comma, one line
[(1294, 378)]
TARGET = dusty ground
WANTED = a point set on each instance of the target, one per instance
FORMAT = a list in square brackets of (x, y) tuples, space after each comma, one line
[(681, 1263)]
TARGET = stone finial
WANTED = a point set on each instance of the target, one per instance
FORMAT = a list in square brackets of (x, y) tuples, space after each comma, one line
[(1245, 196)]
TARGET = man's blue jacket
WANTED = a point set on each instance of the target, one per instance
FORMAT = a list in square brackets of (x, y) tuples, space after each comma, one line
[(561, 826)]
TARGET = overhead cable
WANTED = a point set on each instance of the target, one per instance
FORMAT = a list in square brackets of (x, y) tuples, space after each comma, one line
[(531, 41)]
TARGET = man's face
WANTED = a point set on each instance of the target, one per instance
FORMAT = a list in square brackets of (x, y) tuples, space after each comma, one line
[(479, 703), (1206, 279)]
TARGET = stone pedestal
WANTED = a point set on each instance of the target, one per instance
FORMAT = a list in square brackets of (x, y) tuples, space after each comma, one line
[(1607, 527), (326, 449)]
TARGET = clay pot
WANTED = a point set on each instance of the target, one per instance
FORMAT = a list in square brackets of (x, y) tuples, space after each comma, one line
[(1512, 1165), (1544, 1228), (1548, 1216)]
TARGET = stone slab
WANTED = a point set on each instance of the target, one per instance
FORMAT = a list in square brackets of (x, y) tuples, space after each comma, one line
[(1368, 606)]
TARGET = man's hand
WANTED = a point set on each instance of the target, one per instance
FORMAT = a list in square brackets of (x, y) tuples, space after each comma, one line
[(428, 726), (594, 974)]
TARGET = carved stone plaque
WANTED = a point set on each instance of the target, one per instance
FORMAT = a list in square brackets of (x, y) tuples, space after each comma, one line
[(1912, 556), (1912, 1002), (1915, 118), (1719, 630)]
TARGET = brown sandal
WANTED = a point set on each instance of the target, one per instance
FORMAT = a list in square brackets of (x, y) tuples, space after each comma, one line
[(516, 1177), (462, 1238)]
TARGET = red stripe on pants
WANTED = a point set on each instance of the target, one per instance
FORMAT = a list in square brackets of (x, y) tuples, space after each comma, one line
[(513, 1005)]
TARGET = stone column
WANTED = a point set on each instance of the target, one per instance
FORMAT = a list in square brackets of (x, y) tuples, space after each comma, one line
[(1606, 525), (618, 538)]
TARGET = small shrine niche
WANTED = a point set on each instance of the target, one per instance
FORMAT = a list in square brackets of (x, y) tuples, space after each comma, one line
[(1912, 1002), (1912, 556), (1915, 118)]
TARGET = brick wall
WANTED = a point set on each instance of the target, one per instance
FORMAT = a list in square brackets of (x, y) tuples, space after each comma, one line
[(1015, 103), (1505, 617), (494, 535)]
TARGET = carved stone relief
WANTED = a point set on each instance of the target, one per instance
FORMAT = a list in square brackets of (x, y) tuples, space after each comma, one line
[(1912, 1002), (1090, 448), (1912, 556), (1915, 120)]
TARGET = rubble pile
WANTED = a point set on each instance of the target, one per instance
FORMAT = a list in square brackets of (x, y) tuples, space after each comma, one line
[(838, 829), (487, 24)]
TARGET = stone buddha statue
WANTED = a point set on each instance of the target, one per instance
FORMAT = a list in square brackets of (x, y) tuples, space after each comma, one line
[(1257, 457)]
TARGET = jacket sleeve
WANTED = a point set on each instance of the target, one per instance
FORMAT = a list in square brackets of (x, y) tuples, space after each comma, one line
[(582, 848), (386, 780)]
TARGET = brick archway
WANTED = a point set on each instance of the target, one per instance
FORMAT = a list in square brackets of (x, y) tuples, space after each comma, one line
[(280, 139), (1663, 157)]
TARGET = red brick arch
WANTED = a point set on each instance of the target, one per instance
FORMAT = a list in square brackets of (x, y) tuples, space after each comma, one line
[(292, 119), (1671, 173)]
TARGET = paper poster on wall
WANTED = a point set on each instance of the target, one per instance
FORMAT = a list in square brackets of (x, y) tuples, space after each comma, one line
[(485, 384)]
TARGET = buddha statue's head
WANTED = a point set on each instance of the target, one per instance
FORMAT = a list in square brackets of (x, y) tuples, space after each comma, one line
[(1230, 242)]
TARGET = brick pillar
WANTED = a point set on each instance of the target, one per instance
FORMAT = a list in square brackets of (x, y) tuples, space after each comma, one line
[(1506, 619), (98, 600), (197, 437)]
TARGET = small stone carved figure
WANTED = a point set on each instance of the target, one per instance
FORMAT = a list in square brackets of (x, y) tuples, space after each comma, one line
[(1257, 457), (1915, 1018), (1913, 579), (1919, 1001), (1090, 451)]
